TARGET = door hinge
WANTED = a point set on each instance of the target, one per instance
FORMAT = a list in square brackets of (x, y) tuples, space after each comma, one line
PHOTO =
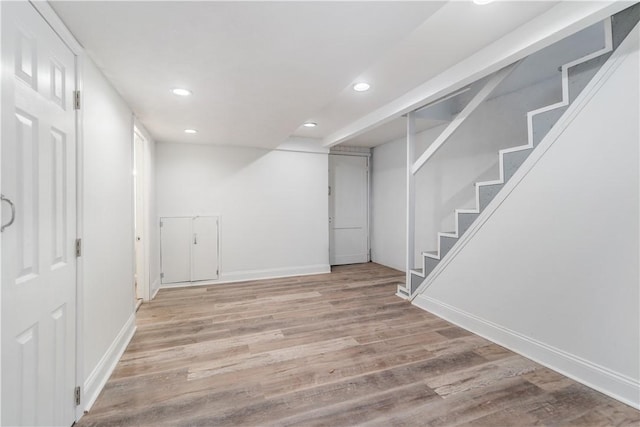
[(161, 223), (76, 395), (76, 100), (162, 275), (329, 190), (78, 248)]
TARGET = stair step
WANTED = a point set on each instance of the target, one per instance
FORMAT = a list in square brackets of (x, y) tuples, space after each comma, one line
[(542, 123), (416, 280), (581, 74), (446, 243), (431, 254), (487, 193), (402, 291), (513, 160), (623, 22), (465, 219)]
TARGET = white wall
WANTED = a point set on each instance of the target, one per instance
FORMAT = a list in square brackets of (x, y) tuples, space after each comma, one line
[(272, 204), (554, 272), (107, 226), (445, 183)]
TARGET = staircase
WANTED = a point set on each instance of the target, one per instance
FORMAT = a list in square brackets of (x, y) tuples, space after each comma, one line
[(575, 76)]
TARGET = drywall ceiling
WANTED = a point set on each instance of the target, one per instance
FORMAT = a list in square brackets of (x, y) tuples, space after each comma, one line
[(542, 65), (259, 70)]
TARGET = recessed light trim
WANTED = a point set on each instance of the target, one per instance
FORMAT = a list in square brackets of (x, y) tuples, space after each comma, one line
[(361, 87), (310, 124), (190, 131), (482, 2), (181, 91)]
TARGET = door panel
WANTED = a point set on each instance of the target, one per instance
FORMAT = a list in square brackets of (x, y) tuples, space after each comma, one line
[(205, 248), (38, 261), (175, 250), (348, 209)]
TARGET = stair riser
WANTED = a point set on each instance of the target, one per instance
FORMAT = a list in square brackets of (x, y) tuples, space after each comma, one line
[(622, 23), (415, 282), (512, 161), (446, 243), (429, 265), (487, 193), (542, 123), (464, 222), (581, 74)]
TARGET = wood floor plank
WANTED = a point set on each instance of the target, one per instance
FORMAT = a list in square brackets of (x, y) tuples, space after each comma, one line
[(334, 349)]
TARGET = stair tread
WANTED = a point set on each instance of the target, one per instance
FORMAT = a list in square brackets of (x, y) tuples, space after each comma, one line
[(432, 254)]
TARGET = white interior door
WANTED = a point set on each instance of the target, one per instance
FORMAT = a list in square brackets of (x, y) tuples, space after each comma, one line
[(204, 252), (38, 290), (348, 209), (175, 249), (141, 282)]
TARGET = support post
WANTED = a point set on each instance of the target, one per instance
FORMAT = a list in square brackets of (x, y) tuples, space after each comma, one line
[(411, 201)]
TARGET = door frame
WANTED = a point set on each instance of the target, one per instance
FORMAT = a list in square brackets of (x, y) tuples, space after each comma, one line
[(48, 14), (144, 287), (368, 226)]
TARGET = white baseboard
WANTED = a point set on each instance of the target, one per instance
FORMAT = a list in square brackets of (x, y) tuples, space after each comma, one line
[(101, 373), (242, 276), (613, 384), (155, 287)]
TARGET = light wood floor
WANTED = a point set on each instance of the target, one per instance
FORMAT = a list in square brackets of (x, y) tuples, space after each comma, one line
[(337, 349)]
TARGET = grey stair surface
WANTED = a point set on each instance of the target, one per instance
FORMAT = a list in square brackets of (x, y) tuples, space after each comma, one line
[(465, 219), (486, 194), (581, 74), (446, 243), (578, 77), (511, 161), (542, 123)]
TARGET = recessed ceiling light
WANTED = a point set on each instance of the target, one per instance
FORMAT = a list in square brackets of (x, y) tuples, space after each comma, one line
[(361, 87), (190, 131), (181, 92), (481, 2), (310, 125)]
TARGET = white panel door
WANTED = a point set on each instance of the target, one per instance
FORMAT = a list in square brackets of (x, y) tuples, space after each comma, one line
[(38, 290), (204, 253), (348, 209), (175, 249), (141, 284)]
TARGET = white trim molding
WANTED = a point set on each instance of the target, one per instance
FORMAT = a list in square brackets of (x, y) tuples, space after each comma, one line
[(243, 276), (98, 378), (613, 384)]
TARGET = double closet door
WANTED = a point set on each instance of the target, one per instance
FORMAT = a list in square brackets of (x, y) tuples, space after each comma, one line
[(189, 249)]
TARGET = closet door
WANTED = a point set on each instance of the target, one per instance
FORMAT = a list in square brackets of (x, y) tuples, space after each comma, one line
[(175, 249), (204, 248)]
